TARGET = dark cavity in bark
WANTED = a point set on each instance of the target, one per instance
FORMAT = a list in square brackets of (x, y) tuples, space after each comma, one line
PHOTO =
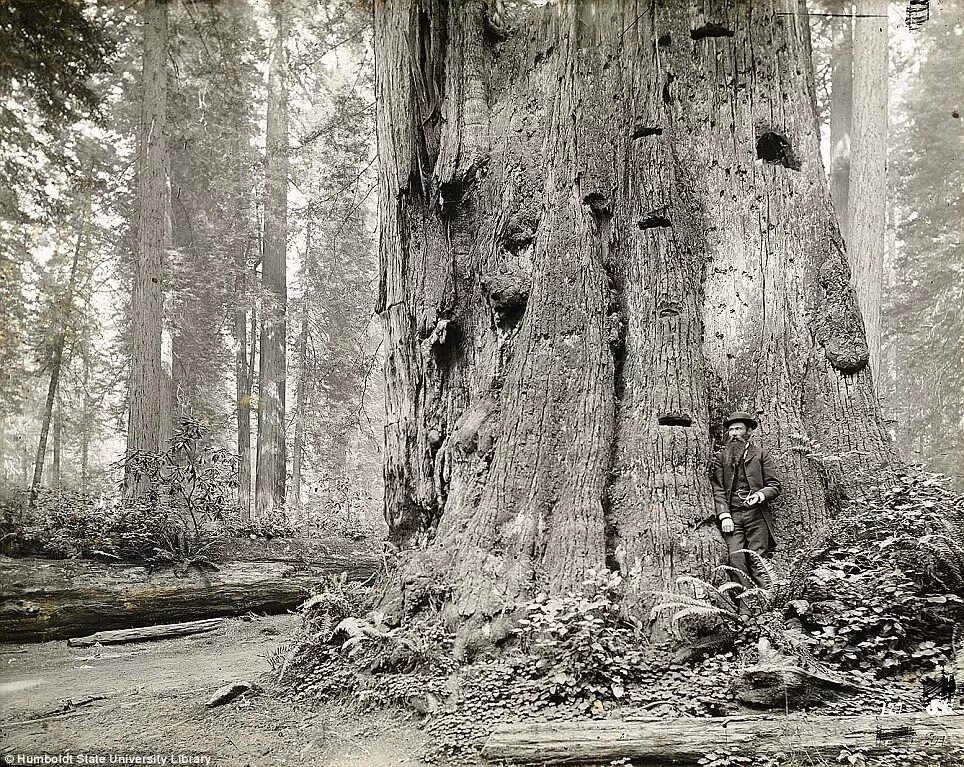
[(641, 131), (675, 419), (598, 204), (710, 30), (654, 219), (775, 149), (508, 295)]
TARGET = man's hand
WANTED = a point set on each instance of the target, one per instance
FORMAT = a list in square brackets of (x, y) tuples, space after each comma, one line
[(755, 499), (727, 524)]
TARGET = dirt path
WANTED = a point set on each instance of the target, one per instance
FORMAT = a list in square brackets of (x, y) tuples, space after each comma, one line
[(149, 700)]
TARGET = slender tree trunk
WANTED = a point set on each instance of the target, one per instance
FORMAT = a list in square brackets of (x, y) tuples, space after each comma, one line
[(298, 444), (270, 480), (242, 375), (85, 425), (144, 429), (301, 395), (602, 230), (57, 356), (841, 111), (55, 464), (868, 169)]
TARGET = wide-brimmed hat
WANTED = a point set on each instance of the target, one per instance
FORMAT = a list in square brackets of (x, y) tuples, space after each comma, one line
[(746, 418)]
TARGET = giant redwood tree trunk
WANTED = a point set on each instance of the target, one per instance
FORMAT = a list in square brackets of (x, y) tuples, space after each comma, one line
[(603, 225), (272, 375), (147, 296)]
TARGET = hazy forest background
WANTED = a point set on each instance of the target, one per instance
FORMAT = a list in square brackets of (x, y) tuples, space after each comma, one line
[(266, 410)]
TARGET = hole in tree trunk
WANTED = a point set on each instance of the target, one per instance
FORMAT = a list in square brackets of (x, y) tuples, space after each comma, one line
[(665, 40), (710, 30), (654, 220), (669, 311), (666, 94), (450, 194), (675, 419), (775, 149), (598, 205), (644, 130)]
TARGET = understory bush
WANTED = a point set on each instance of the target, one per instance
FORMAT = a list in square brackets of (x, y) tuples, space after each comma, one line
[(579, 645), (187, 500), (887, 589)]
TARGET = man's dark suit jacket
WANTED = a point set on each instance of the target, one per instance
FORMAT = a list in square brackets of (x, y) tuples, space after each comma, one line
[(761, 473)]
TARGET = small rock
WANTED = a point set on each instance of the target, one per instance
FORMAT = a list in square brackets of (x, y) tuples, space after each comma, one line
[(228, 693)]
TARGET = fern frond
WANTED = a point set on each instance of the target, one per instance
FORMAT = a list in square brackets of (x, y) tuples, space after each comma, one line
[(664, 606), (766, 570), (732, 571), (676, 596)]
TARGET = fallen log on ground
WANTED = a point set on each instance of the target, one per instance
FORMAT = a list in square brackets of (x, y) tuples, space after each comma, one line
[(148, 633), (686, 740), (42, 599)]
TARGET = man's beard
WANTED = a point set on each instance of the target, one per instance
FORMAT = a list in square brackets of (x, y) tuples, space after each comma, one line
[(734, 448)]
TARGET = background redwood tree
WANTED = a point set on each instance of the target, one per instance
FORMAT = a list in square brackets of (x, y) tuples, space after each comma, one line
[(604, 225), (147, 296)]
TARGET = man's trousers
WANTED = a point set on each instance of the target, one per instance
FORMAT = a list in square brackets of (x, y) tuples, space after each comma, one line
[(749, 532)]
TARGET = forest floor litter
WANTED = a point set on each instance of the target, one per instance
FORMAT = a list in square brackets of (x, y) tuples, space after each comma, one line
[(151, 699)]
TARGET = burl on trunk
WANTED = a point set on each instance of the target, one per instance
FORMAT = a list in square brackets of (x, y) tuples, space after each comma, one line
[(603, 224)]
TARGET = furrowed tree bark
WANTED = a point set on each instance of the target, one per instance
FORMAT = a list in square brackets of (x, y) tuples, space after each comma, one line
[(841, 111), (270, 480), (147, 298), (868, 168), (603, 226)]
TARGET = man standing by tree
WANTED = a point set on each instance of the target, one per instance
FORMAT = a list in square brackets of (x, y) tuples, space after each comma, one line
[(744, 481)]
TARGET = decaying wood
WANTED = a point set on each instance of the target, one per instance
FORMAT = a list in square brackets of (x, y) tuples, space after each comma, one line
[(162, 631), (67, 710), (778, 677), (44, 599), (686, 740), (769, 685)]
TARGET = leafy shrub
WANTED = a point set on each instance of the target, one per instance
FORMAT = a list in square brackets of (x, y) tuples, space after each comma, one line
[(190, 492), (192, 476), (579, 645), (886, 590)]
